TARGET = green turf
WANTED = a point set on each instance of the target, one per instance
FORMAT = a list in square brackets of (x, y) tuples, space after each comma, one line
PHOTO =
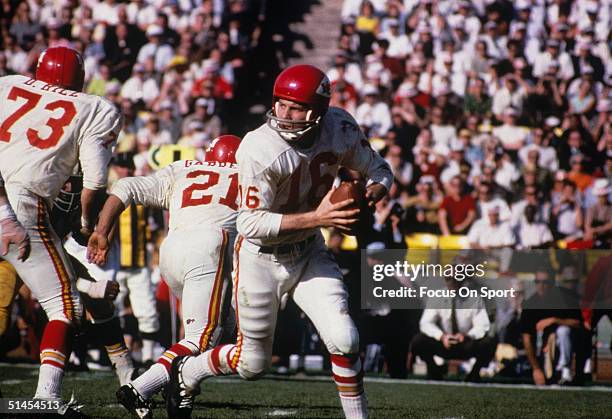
[(233, 398)]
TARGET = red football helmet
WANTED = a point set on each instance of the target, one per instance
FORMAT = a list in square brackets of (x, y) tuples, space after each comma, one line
[(223, 149), (61, 66), (306, 85)]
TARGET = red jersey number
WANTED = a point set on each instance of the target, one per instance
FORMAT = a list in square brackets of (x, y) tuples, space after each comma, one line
[(319, 183), (212, 178), (57, 125)]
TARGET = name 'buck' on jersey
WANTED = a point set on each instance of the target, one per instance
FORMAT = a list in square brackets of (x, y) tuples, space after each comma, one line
[(45, 130)]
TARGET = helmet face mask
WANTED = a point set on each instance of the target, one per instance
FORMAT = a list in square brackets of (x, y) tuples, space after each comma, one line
[(306, 86), (69, 198), (291, 129)]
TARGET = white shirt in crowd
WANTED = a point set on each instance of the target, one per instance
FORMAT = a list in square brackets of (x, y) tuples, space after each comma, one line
[(533, 235), (377, 117), (504, 209), (471, 314), (543, 61), (503, 99), (485, 235), (135, 89), (162, 53)]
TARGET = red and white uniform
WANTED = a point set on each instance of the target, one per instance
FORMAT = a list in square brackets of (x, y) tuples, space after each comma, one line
[(277, 177), (44, 132), (196, 256)]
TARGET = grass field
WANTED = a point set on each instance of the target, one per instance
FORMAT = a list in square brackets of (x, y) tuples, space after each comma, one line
[(315, 397)]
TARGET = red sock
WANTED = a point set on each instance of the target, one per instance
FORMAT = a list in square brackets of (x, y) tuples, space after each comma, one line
[(179, 349), (348, 374), (55, 344)]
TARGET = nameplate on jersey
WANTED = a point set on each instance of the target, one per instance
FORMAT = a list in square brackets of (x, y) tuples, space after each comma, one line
[(161, 156)]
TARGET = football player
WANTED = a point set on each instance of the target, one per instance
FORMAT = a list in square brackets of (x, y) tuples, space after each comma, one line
[(287, 167), (195, 257), (47, 126)]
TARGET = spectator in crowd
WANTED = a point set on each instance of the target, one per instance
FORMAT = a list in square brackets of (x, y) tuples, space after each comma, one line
[(156, 48), (531, 195), (455, 329), (486, 199), (477, 101), (458, 209), (510, 96), (566, 214), (373, 115), (552, 316), (512, 136), (598, 219), (140, 86), (577, 173), (538, 139), (23, 26), (531, 233), (492, 232), (204, 113), (387, 227), (422, 209), (153, 134)]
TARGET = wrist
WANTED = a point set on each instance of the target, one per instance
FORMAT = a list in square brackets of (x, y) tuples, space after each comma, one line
[(6, 212), (86, 225)]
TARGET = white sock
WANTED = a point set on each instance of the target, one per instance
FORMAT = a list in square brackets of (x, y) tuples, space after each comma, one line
[(153, 380), (355, 407), (124, 366), (196, 369), (148, 346), (49, 382)]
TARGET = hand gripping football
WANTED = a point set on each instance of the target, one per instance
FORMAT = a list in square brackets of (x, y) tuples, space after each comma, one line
[(347, 190)]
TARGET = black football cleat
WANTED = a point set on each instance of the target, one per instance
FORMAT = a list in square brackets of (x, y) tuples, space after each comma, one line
[(179, 398), (129, 398)]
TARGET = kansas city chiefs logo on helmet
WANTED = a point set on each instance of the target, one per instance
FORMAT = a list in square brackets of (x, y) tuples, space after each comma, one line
[(324, 88)]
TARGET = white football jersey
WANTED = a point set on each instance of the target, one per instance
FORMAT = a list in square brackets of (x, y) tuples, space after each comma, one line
[(196, 193), (277, 177), (45, 130)]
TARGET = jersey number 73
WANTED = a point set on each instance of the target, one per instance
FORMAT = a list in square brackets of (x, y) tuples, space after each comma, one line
[(57, 125)]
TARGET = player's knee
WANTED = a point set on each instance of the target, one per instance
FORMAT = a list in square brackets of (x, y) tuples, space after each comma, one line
[(345, 340), (67, 312)]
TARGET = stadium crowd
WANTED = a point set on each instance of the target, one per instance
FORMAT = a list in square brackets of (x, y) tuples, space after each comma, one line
[(493, 115)]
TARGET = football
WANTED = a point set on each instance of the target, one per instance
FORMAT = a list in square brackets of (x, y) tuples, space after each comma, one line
[(347, 190)]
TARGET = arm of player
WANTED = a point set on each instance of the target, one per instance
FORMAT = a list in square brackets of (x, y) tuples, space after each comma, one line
[(11, 230), (99, 242), (257, 220), (95, 152), (258, 188), (369, 163), (151, 191)]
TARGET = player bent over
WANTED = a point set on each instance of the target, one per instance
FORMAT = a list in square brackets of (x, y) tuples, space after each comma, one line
[(195, 257), (95, 284), (287, 168), (47, 126)]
